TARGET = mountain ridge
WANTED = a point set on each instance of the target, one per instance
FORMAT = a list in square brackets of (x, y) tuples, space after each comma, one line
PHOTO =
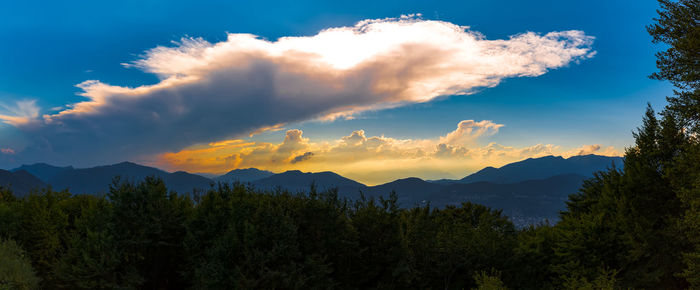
[(244, 175), (534, 188), (96, 180), (543, 167), (20, 182)]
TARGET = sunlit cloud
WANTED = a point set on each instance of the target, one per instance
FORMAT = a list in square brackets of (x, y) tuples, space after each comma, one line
[(22, 113), (468, 130), (372, 159), (273, 128), (593, 149), (247, 84)]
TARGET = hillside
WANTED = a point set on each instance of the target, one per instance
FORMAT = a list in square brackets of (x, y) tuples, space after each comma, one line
[(43, 171), (20, 182), (96, 180), (295, 180), (544, 167)]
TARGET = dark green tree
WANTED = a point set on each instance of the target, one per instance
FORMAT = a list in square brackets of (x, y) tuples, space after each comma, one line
[(149, 227), (15, 268), (534, 256), (43, 231), (381, 250), (678, 26), (92, 256)]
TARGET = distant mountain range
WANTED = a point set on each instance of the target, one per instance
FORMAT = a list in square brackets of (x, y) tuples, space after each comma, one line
[(544, 167), (96, 180), (531, 190)]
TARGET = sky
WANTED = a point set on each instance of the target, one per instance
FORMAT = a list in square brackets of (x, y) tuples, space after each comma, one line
[(372, 90)]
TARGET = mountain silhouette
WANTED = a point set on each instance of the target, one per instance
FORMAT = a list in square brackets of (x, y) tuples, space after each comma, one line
[(410, 190), (20, 182), (526, 202), (295, 180), (43, 171), (96, 180), (528, 191), (544, 167), (244, 175)]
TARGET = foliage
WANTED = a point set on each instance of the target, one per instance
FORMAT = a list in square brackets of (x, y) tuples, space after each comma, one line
[(15, 268), (142, 236), (486, 281)]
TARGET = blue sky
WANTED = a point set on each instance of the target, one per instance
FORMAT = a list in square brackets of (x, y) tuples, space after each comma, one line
[(49, 47)]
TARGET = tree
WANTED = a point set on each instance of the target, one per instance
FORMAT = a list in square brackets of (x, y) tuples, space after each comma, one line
[(10, 215), (150, 227), (92, 255), (627, 221), (15, 268), (534, 256), (447, 246), (381, 250), (485, 281), (42, 231), (678, 26)]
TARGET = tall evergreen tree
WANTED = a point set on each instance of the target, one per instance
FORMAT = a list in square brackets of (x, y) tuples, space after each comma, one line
[(678, 26)]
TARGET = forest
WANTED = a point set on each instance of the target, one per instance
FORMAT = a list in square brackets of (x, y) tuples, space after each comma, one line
[(636, 227)]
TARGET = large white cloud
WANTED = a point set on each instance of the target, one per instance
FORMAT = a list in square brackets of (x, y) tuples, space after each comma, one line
[(212, 91)]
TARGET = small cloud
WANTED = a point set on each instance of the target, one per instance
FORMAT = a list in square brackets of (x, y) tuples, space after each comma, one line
[(7, 151), (21, 113), (593, 149), (469, 130), (303, 157), (274, 128)]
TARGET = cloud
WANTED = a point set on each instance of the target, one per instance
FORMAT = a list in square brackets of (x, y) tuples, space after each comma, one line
[(468, 130), (302, 157), (369, 159), (273, 128), (593, 149), (23, 113), (215, 91), (7, 151)]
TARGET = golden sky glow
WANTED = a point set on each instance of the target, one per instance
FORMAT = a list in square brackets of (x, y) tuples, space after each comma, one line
[(369, 159)]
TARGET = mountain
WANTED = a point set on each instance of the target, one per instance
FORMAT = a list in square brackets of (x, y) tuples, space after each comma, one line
[(183, 182), (528, 191), (526, 202), (43, 171), (244, 175), (410, 190), (20, 182), (544, 167), (96, 180), (295, 180)]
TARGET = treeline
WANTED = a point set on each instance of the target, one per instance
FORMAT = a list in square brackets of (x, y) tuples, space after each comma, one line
[(143, 236), (622, 230)]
